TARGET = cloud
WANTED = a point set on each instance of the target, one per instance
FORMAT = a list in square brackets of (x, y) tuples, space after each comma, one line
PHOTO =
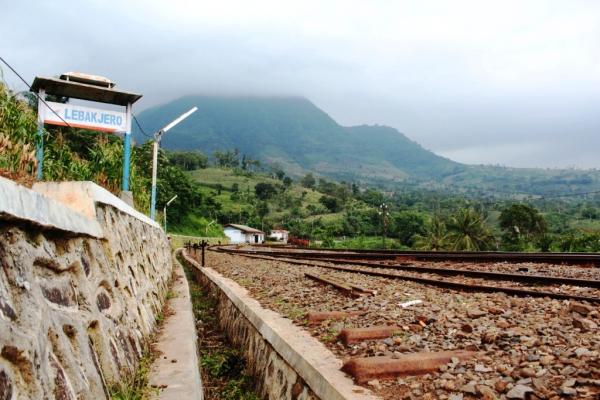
[(456, 76)]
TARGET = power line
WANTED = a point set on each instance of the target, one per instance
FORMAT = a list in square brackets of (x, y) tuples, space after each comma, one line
[(36, 95), (140, 127)]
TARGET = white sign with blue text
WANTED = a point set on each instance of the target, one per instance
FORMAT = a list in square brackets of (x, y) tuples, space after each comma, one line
[(85, 117)]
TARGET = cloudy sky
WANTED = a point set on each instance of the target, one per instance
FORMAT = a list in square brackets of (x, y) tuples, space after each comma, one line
[(497, 82)]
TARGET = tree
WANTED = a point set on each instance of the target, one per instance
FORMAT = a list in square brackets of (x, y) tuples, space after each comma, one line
[(434, 237), (469, 232), (331, 203), (521, 224), (406, 224), (264, 191), (308, 181), (287, 182)]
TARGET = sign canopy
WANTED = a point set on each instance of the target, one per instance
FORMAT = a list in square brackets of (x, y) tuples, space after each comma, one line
[(84, 91)]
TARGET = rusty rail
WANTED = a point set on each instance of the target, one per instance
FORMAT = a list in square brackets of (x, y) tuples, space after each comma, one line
[(434, 282), (484, 256)]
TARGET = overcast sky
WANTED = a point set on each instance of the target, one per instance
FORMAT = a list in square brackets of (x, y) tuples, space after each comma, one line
[(497, 82)]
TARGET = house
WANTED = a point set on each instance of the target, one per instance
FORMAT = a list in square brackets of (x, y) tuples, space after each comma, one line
[(243, 234), (281, 235)]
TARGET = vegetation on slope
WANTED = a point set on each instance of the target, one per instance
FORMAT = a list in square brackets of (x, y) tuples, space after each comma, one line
[(299, 137)]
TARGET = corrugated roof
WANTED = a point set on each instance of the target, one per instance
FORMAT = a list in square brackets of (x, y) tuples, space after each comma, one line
[(244, 228), (84, 91)]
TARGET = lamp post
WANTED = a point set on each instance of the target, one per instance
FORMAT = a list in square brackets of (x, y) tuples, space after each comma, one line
[(165, 211), (384, 221), (157, 137)]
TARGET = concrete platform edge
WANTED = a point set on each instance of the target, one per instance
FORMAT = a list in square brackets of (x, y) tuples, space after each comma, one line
[(319, 368)]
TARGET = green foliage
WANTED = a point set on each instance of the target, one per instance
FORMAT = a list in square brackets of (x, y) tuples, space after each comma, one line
[(405, 225), (331, 203), (435, 236), (469, 232), (264, 191), (135, 386), (521, 224), (17, 134), (187, 160), (308, 181)]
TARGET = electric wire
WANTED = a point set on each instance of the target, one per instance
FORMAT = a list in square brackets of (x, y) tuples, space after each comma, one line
[(141, 129), (36, 95)]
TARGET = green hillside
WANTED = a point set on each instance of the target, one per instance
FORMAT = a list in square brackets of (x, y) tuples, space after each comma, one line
[(294, 134), (297, 135)]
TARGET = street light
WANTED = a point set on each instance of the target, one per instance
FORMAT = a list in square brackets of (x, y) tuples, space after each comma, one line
[(384, 220), (157, 137), (165, 211)]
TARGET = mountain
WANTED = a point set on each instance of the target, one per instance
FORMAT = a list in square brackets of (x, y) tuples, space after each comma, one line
[(299, 137)]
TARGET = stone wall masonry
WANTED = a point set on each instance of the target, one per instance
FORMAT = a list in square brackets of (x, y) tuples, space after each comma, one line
[(76, 307), (286, 362)]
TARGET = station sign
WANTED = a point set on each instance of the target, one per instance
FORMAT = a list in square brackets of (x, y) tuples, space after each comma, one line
[(85, 117)]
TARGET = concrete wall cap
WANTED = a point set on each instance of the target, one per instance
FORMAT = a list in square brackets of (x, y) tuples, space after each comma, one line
[(19, 202), (83, 196)]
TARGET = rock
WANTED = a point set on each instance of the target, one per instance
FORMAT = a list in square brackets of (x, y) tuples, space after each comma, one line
[(502, 324), (569, 383), (482, 368), (458, 396), (568, 391), (466, 328), (527, 372), (582, 351), (580, 308), (487, 393), (518, 392), (475, 313), (469, 388), (584, 324), (500, 386), (374, 383)]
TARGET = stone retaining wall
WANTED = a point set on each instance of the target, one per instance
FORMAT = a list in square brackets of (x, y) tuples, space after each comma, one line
[(79, 293), (286, 362)]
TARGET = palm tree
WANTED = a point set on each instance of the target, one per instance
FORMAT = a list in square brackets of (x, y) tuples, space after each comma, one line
[(469, 232), (435, 236)]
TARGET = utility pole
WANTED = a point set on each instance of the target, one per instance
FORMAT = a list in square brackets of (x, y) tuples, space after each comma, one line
[(383, 211), (165, 211), (157, 138)]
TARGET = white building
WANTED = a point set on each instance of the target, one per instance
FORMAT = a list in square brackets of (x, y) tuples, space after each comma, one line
[(281, 235), (243, 234)]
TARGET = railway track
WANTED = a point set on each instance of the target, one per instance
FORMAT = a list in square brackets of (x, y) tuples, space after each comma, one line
[(395, 272), (485, 256)]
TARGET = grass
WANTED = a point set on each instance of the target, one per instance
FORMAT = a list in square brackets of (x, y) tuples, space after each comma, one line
[(194, 225), (178, 241), (210, 178), (135, 386)]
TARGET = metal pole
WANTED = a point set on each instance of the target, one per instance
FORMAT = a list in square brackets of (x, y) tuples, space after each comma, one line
[(154, 167), (39, 151), (165, 217), (127, 150), (165, 211)]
